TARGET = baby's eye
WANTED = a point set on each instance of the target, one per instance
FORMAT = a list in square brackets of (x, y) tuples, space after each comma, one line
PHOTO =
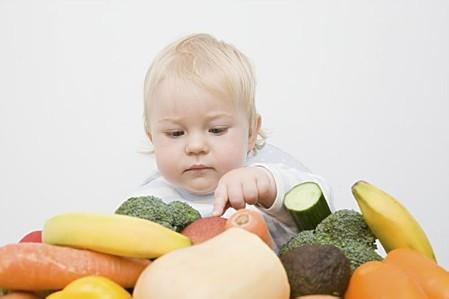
[(218, 131), (175, 133)]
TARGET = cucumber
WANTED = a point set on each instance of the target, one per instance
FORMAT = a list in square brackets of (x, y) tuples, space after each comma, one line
[(307, 205)]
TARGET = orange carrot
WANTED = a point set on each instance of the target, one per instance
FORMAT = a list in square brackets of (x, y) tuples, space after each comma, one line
[(19, 295), (251, 221), (40, 266), (317, 297)]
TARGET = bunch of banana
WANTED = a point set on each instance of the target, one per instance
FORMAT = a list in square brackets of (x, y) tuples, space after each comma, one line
[(114, 234), (389, 220)]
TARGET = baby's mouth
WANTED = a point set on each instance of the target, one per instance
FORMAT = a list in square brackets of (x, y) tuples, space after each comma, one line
[(197, 168)]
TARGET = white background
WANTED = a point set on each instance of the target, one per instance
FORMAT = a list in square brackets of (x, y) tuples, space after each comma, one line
[(353, 89)]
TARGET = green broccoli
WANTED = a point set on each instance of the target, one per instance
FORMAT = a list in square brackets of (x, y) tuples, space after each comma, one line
[(344, 225), (182, 214), (306, 237), (174, 216), (149, 208), (344, 229), (358, 253)]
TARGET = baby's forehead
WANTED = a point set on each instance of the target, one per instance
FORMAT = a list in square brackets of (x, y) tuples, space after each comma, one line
[(189, 101), (178, 88)]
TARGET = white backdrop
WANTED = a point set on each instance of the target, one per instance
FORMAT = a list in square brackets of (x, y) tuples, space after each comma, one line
[(353, 89)]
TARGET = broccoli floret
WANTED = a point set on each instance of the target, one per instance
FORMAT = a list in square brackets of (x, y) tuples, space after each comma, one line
[(358, 253), (149, 208), (346, 225), (344, 229), (174, 216), (306, 237), (183, 214)]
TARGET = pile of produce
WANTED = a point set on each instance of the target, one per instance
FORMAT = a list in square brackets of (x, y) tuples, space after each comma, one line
[(344, 229), (148, 249)]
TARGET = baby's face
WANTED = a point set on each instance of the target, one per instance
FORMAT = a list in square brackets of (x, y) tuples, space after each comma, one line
[(197, 135)]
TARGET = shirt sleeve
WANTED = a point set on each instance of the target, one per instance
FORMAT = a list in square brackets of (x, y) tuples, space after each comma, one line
[(285, 178)]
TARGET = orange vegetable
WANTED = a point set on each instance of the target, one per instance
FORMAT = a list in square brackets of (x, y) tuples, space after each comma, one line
[(317, 297), (40, 266), (234, 264), (19, 295), (374, 280), (251, 221), (433, 279)]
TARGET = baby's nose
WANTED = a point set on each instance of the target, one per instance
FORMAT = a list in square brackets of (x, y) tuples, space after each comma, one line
[(196, 143)]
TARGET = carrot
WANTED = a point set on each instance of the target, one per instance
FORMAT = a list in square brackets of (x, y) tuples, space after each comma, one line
[(40, 266), (19, 295), (317, 297), (251, 221)]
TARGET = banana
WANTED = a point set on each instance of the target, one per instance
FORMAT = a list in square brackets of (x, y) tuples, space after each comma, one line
[(389, 220), (113, 234)]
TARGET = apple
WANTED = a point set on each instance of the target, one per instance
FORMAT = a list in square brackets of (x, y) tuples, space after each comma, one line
[(204, 228), (32, 237)]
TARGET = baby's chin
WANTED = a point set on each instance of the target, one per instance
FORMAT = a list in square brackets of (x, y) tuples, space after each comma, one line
[(201, 189)]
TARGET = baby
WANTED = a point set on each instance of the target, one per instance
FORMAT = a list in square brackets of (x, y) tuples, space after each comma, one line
[(210, 152)]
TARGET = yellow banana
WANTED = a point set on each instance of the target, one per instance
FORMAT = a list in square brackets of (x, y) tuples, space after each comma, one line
[(114, 234), (389, 220)]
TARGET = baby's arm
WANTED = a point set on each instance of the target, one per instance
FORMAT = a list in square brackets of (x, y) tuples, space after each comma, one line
[(285, 178)]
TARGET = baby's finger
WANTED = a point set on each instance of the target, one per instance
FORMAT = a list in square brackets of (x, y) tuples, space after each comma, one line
[(263, 187), (250, 192), (235, 195), (221, 198)]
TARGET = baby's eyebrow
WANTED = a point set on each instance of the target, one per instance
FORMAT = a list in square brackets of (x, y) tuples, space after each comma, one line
[(212, 116), (169, 119), (208, 117)]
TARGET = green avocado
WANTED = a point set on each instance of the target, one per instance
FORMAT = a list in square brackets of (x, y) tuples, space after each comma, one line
[(317, 269)]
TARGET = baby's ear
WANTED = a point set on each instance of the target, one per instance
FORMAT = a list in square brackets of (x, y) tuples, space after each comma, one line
[(148, 133), (254, 131), (147, 129)]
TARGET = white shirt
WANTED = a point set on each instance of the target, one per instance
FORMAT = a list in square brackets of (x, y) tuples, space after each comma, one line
[(287, 172)]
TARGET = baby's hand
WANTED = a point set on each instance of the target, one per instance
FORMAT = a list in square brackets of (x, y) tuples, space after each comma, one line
[(241, 186)]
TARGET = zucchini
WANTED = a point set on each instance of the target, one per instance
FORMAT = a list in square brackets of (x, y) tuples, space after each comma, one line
[(307, 205)]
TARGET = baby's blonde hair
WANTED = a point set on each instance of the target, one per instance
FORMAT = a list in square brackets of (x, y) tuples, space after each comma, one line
[(211, 64)]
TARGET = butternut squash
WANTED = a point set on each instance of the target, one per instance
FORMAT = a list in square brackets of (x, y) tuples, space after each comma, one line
[(234, 264)]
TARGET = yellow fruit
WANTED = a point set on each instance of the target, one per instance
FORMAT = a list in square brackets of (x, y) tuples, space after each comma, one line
[(114, 234), (389, 220), (95, 287)]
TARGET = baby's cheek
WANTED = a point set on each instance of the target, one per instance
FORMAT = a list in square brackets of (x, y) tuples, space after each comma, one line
[(231, 158), (166, 163)]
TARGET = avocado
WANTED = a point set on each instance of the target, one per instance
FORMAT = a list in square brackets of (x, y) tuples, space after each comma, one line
[(317, 269)]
